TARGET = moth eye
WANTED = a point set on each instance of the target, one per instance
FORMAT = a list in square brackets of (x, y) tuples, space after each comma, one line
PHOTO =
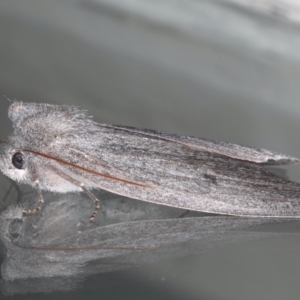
[(18, 160)]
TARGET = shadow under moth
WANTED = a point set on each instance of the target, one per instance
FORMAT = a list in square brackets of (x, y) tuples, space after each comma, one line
[(61, 149)]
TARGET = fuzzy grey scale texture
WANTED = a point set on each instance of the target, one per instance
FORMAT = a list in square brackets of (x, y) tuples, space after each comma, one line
[(179, 171)]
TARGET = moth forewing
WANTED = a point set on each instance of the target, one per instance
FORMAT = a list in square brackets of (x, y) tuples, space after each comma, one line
[(221, 189), (241, 152)]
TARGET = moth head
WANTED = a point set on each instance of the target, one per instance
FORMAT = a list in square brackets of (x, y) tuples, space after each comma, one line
[(13, 163)]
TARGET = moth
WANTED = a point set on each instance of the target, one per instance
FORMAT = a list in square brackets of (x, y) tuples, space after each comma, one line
[(61, 149)]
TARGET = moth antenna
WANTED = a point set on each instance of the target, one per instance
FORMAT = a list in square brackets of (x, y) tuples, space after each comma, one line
[(7, 98), (81, 186), (40, 201)]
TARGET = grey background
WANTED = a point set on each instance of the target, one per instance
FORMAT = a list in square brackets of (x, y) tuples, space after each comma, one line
[(205, 68)]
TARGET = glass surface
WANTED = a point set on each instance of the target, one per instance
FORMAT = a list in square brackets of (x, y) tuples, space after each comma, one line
[(209, 69)]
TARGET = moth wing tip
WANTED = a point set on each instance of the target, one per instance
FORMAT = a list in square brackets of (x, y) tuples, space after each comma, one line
[(282, 160)]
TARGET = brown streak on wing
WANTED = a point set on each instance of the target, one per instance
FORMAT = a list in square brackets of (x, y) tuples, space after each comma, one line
[(85, 169)]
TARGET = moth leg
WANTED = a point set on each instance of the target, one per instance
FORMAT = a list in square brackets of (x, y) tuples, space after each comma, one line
[(40, 201), (95, 199), (82, 186)]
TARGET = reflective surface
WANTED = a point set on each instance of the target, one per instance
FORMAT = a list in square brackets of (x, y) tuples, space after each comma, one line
[(58, 248), (204, 68)]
